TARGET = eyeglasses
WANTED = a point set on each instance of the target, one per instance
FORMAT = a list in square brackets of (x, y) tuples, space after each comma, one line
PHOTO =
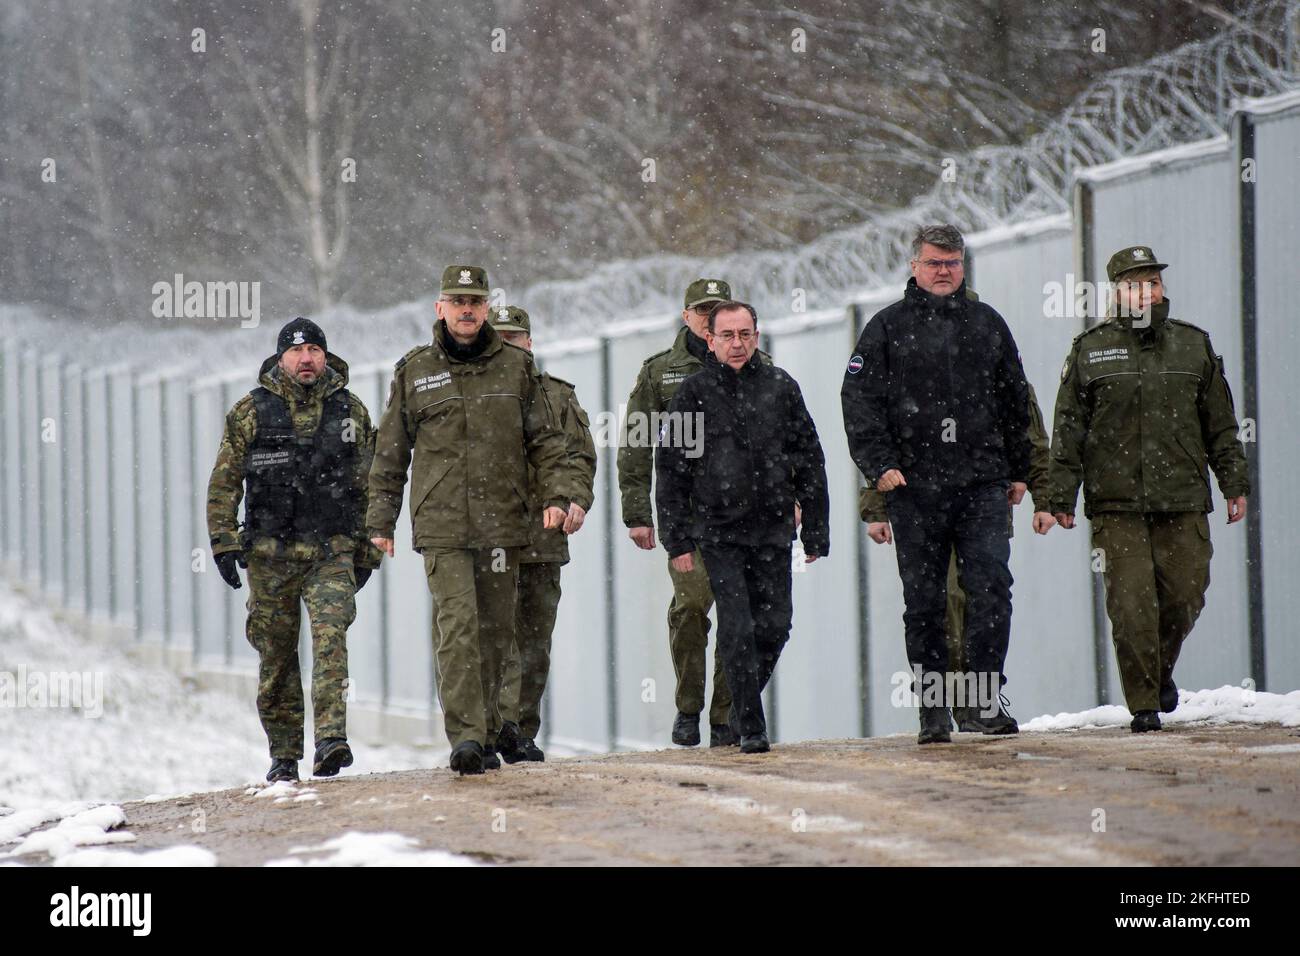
[(934, 264), (474, 301), (704, 309), (730, 335)]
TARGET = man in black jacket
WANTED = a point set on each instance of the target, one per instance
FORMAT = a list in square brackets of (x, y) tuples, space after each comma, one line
[(936, 409), (733, 496)]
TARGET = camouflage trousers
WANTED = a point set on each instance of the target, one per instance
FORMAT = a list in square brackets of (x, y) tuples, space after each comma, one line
[(278, 586), (474, 620), (688, 637), (1157, 569), (529, 663)]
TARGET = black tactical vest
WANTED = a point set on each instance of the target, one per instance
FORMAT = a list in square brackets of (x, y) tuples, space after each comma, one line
[(301, 487)]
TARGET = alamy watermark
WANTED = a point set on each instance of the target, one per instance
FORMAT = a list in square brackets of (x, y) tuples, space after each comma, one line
[(81, 690)]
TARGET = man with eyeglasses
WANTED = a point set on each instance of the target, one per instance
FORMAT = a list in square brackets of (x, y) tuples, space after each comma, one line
[(936, 410), (688, 613), (734, 502), (472, 413)]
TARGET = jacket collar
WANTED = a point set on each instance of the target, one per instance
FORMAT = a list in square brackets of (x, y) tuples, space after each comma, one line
[(680, 354), (274, 380), (917, 297), (1159, 316), (728, 374), (486, 334)]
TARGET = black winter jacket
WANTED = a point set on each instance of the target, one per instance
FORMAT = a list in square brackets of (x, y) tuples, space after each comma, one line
[(760, 455), (936, 389)]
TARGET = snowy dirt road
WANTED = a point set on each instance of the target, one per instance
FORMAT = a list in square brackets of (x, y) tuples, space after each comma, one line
[(1190, 795)]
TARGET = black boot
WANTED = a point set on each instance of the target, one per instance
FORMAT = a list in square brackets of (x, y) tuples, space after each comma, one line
[(331, 754), (1168, 696), (754, 744), (467, 757), (936, 726), (686, 730), (974, 721), (508, 742), (721, 735), (490, 759), (1145, 720), (528, 750), (283, 768)]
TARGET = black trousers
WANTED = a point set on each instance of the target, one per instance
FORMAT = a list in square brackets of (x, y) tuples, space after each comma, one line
[(928, 526), (751, 590)]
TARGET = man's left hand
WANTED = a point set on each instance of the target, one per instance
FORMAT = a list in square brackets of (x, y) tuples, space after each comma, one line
[(553, 517), (576, 516), (1016, 492), (810, 558), (1236, 509), (684, 563)]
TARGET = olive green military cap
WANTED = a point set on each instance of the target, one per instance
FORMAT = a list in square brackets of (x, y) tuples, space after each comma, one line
[(707, 290), (510, 318), (464, 280), (1130, 258)]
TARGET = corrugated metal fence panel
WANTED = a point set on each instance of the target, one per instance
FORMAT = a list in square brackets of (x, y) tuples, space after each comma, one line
[(1187, 212), (151, 500), (1051, 658), (576, 708), (181, 565), (99, 505), (642, 590), (11, 503), (75, 512), (366, 636), (1277, 231), (817, 687), (239, 653), (30, 438), (409, 607), (210, 595), (52, 447), (122, 482)]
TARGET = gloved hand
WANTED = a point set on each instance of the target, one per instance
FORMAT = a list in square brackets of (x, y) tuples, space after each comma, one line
[(226, 561), (363, 575)]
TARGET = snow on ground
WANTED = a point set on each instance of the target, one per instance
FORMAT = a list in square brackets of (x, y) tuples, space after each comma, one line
[(371, 849), (1222, 705), (150, 733)]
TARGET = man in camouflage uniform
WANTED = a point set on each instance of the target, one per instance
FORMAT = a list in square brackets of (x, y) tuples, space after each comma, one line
[(472, 413), (538, 595), (688, 613), (303, 443), (1143, 408), (871, 507)]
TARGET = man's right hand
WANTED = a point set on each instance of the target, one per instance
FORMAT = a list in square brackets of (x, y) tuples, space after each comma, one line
[(684, 563), (880, 532), (890, 480), (1064, 520), (643, 536), (226, 562), (383, 544)]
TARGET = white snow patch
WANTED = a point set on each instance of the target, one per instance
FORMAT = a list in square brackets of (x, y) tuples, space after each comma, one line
[(372, 849), (185, 855), (84, 828), (1222, 705)]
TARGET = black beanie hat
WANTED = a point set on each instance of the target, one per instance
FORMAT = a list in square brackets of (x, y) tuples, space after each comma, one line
[(300, 332)]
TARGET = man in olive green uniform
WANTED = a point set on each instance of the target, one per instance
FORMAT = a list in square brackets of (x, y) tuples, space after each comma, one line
[(688, 614), (538, 595), (871, 508), (303, 443), (472, 412), (1143, 408)]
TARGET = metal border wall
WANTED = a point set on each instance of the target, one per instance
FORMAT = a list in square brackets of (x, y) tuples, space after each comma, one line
[(105, 468)]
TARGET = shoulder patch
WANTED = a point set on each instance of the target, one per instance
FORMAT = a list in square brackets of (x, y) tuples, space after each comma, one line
[(408, 356), (655, 356)]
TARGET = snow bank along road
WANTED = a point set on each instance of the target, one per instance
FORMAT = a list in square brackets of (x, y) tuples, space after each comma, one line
[(1220, 795)]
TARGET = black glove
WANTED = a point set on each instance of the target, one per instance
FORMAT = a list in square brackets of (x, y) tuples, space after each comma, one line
[(363, 575), (226, 561)]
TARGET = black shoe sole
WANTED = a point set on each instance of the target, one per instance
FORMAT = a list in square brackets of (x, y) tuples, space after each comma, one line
[(755, 750), (332, 762), (512, 758), (293, 779), (491, 764), (936, 738), (692, 741)]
